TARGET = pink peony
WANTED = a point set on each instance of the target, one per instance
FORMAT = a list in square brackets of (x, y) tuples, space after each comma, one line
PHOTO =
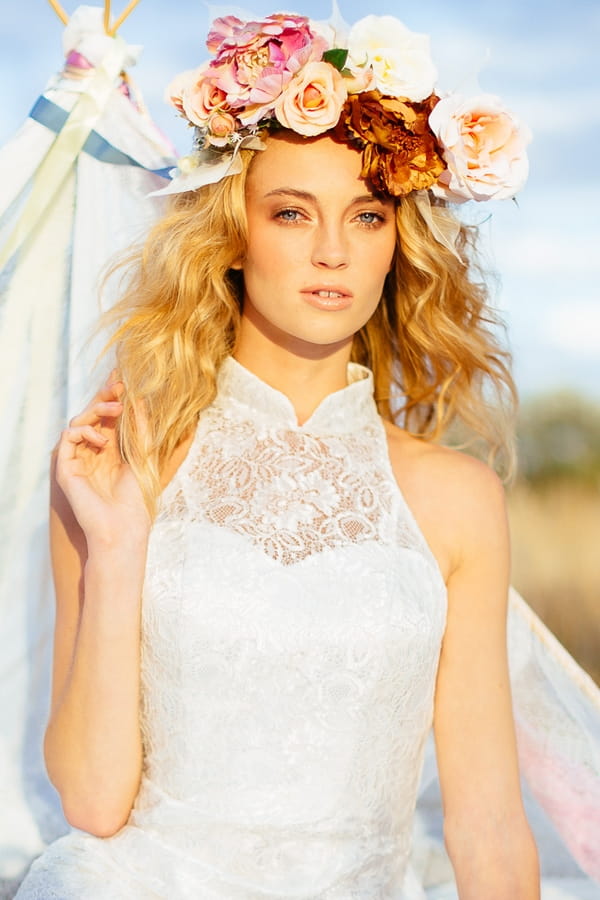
[(221, 28), (313, 100), (483, 147), (254, 61)]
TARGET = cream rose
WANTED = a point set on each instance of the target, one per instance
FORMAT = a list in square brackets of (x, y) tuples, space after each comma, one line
[(313, 100), (484, 149), (360, 80), (175, 90), (400, 59)]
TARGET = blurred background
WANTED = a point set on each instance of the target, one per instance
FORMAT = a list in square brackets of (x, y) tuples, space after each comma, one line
[(540, 57)]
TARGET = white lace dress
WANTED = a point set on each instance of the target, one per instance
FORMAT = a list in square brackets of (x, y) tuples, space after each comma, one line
[(292, 621)]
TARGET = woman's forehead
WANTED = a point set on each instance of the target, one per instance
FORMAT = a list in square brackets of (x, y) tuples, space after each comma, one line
[(315, 166)]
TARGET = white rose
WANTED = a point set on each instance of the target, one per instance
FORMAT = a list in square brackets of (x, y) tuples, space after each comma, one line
[(484, 149), (400, 59)]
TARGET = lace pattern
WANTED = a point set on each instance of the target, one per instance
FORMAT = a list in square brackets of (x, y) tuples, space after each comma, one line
[(293, 491), (291, 494)]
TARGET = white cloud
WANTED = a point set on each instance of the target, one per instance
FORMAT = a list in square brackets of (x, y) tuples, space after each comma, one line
[(549, 254), (575, 328), (559, 112)]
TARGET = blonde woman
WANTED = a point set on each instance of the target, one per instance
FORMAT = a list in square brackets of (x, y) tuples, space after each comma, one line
[(271, 578)]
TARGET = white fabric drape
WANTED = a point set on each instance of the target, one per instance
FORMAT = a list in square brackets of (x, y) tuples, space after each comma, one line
[(557, 714), (49, 303)]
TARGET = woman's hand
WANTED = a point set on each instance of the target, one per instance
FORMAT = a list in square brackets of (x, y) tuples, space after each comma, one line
[(101, 488)]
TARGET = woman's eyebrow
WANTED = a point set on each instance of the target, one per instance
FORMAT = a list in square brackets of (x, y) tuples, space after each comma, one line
[(306, 195), (292, 192)]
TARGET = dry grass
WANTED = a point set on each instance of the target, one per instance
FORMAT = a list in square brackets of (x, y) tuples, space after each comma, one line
[(556, 562)]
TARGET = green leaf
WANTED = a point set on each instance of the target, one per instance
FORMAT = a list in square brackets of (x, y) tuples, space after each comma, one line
[(336, 57)]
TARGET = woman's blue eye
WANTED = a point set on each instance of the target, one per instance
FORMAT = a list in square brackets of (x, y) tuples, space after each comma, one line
[(370, 218), (288, 215)]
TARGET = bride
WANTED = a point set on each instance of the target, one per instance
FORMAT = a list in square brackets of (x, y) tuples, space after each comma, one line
[(271, 578)]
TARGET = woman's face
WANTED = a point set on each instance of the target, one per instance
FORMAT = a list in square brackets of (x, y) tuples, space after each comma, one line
[(320, 245)]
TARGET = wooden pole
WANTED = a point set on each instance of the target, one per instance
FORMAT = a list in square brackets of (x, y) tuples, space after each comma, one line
[(59, 11), (107, 16), (119, 21)]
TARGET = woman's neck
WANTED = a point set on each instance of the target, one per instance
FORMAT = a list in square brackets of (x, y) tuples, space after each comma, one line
[(305, 374)]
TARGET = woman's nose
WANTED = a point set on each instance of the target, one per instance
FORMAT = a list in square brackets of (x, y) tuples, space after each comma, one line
[(330, 248)]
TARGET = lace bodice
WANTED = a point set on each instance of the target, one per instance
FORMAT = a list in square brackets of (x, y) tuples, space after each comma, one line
[(292, 621), (292, 491)]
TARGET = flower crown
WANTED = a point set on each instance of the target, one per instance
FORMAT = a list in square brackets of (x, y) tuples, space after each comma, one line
[(375, 93)]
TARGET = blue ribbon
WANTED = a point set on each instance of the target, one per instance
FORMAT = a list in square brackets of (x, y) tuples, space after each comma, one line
[(54, 117)]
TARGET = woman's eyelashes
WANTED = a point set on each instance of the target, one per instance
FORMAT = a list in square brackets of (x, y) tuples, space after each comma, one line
[(367, 219), (371, 219), (289, 215)]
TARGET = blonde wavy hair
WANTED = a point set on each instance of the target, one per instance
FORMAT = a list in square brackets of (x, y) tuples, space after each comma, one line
[(431, 343)]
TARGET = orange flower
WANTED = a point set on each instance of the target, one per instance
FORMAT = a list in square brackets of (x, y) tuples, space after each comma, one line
[(400, 152)]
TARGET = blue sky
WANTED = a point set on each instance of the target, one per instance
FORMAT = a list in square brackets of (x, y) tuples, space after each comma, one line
[(539, 57)]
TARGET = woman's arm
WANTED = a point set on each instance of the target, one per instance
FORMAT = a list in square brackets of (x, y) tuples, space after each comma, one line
[(486, 832), (99, 530)]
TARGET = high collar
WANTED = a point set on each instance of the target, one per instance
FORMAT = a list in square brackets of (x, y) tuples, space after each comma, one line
[(243, 394)]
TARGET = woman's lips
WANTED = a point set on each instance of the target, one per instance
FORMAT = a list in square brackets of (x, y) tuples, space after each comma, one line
[(330, 298)]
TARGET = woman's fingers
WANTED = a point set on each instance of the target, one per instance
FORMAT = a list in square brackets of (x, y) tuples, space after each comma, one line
[(73, 436), (110, 393), (100, 409)]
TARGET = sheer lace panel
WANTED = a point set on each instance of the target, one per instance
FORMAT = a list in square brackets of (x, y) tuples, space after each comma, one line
[(291, 494), (293, 491)]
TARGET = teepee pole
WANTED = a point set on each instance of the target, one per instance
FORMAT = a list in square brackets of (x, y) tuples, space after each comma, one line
[(107, 16), (119, 21), (109, 29), (59, 11)]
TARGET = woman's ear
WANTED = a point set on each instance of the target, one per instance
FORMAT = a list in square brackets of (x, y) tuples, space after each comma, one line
[(238, 265)]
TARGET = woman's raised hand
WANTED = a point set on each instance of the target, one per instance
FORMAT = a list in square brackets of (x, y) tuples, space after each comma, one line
[(101, 488)]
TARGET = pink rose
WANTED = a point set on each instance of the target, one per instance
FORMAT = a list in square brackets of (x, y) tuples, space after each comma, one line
[(483, 147), (313, 100), (254, 61)]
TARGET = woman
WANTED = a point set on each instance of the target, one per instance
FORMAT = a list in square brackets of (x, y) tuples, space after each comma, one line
[(319, 584)]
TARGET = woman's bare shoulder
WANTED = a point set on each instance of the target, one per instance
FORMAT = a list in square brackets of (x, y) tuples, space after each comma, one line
[(451, 494), (451, 469)]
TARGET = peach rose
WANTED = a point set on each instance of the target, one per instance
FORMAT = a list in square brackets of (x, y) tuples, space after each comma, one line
[(220, 128), (313, 100), (201, 97), (483, 148)]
